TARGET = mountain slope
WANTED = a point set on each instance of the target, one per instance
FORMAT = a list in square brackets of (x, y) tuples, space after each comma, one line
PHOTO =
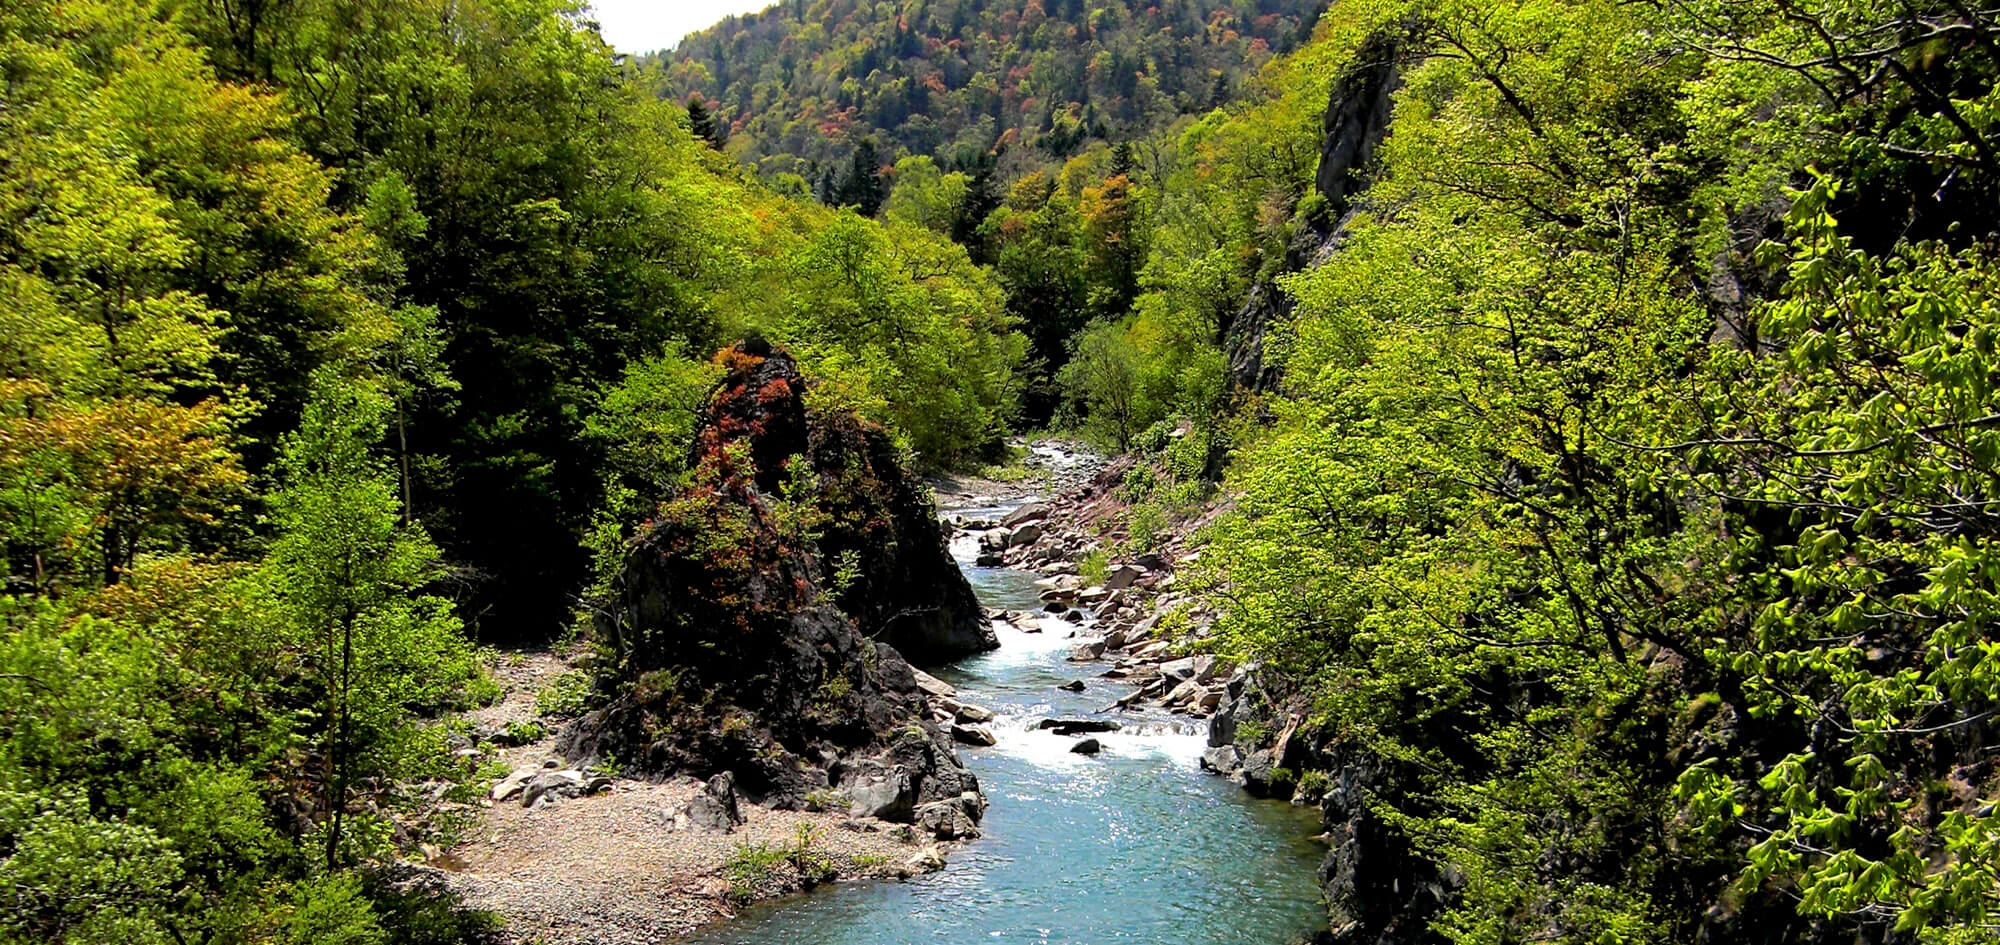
[(798, 85)]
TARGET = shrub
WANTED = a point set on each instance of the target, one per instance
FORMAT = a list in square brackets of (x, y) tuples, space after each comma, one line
[(1094, 567), (566, 696)]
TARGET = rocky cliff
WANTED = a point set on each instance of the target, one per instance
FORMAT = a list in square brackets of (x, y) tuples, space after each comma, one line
[(755, 624), (1357, 119)]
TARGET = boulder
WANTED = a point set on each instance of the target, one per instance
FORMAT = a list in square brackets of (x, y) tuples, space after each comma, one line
[(1088, 746), (1222, 728), (1222, 759), (947, 820), (715, 809), (510, 786), (1184, 694), (547, 787), (931, 685), (1074, 685), (1085, 652), (926, 860), (1121, 577), (1025, 535), (972, 714), (1255, 774), (1192, 667), (886, 798), (1031, 512), (972, 735)]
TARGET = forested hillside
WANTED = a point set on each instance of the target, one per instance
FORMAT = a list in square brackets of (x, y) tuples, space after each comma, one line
[(337, 338), (801, 88), (1612, 460)]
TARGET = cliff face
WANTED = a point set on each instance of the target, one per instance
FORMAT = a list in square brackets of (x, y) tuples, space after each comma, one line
[(1357, 119), (726, 643), (1379, 890)]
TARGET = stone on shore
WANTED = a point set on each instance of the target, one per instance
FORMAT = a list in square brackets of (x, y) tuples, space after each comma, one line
[(974, 735)]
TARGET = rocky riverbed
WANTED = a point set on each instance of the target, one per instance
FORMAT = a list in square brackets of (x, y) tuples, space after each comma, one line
[(1087, 728), (569, 856)]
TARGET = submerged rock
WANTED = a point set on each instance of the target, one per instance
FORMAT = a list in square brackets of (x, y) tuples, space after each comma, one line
[(1077, 726)]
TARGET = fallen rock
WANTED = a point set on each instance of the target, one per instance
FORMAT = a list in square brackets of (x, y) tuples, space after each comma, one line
[(947, 820), (1086, 652), (887, 798), (972, 714), (1088, 746), (1031, 512), (547, 787), (1025, 535), (1121, 577), (926, 860), (1074, 685), (1223, 759), (715, 809), (972, 735), (511, 785), (931, 685)]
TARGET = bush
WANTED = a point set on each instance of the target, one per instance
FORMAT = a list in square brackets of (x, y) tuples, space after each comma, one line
[(1094, 567), (1313, 785), (564, 697), (520, 733)]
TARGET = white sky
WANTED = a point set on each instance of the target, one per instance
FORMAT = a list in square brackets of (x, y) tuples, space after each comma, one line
[(639, 26)]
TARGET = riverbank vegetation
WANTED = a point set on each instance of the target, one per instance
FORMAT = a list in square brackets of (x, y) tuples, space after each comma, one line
[(1603, 394), (331, 331), (1629, 503)]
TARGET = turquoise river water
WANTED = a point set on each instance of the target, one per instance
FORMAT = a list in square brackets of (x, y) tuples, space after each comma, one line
[(1135, 845)]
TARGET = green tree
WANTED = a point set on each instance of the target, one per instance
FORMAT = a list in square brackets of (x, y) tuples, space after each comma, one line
[(347, 577)]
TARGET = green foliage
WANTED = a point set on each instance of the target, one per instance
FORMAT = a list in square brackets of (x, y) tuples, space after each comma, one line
[(1313, 785), (1093, 567), (899, 324), (758, 869), (1651, 598), (564, 697)]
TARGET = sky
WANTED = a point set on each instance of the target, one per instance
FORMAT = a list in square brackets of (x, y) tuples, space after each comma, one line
[(637, 26)]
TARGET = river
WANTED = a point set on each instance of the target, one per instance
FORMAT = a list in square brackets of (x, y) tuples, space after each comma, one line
[(1135, 845)]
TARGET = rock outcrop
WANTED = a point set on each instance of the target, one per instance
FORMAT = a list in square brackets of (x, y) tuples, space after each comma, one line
[(1356, 122), (728, 647)]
